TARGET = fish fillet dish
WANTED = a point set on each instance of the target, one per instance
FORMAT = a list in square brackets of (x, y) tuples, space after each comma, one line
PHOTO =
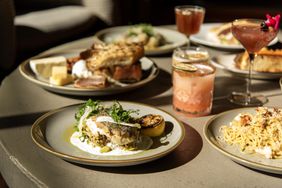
[(112, 130)]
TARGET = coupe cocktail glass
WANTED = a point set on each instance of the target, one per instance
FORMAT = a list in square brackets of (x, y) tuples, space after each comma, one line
[(189, 19), (253, 36)]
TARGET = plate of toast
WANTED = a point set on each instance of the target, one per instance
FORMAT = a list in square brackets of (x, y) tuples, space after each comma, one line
[(219, 35), (99, 70), (267, 64)]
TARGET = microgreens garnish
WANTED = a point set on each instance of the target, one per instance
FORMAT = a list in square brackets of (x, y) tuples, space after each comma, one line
[(118, 114), (145, 28), (95, 106), (115, 111)]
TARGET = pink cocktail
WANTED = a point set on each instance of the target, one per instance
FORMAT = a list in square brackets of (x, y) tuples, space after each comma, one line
[(193, 82), (253, 34)]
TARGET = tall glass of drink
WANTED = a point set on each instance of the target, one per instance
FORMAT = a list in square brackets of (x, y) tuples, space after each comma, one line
[(189, 18), (193, 81), (253, 34)]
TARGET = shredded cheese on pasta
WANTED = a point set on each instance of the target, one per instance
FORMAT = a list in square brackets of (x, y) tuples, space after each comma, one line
[(259, 133)]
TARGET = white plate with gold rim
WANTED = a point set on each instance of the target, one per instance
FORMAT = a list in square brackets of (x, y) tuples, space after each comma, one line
[(255, 161), (226, 62), (149, 69), (52, 131)]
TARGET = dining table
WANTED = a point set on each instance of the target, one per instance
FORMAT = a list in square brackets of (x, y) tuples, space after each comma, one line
[(194, 163)]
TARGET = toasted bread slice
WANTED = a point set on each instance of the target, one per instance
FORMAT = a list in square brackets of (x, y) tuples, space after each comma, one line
[(109, 56), (265, 61)]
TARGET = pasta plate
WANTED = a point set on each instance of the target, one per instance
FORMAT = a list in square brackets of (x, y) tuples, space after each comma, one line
[(212, 135)]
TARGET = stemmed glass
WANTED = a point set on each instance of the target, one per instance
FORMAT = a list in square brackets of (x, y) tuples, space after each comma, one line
[(189, 19), (253, 34)]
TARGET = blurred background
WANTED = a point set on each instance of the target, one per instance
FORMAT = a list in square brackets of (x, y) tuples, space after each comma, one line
[(32, 26)]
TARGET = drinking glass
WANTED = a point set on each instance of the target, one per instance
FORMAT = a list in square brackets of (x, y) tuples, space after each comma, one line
[(253, 37), (193, 81), (189, 19)]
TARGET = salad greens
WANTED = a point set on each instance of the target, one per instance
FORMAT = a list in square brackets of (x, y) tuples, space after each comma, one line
[(143, 27), (115, 111), (95, 108), (118, 114)]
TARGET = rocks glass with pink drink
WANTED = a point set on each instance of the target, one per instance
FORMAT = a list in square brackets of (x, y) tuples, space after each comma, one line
[(193, 81), (189, 19), (253, 34)]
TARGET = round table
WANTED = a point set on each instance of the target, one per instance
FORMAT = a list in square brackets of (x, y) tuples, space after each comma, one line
[(193, 164)]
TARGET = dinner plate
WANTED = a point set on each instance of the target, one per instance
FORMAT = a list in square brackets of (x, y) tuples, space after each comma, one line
[(204, 38), (149, 69), (174, 38), (52, 131), (255, 161), (226, 62)]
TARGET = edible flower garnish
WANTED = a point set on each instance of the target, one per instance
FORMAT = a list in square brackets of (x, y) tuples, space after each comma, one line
[(273, 21)]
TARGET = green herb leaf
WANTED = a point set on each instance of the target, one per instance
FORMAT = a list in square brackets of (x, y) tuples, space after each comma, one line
[(132, 33), (145, 28), (148, 29), (118, 114), (95, 106), (76, 128)]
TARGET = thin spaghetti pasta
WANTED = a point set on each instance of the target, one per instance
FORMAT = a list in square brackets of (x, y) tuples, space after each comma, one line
[(259, 133)]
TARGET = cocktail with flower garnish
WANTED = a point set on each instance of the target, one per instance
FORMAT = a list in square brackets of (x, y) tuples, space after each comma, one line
[(253, 34)]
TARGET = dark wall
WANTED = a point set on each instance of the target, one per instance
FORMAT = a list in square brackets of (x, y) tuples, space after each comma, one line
[(159, 12)]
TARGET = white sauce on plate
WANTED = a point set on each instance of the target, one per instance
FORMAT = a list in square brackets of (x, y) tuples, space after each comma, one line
[(117, 151), (80, 69)]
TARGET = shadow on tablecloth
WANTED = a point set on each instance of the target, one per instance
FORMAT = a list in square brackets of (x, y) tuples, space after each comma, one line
[(224, 86)]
